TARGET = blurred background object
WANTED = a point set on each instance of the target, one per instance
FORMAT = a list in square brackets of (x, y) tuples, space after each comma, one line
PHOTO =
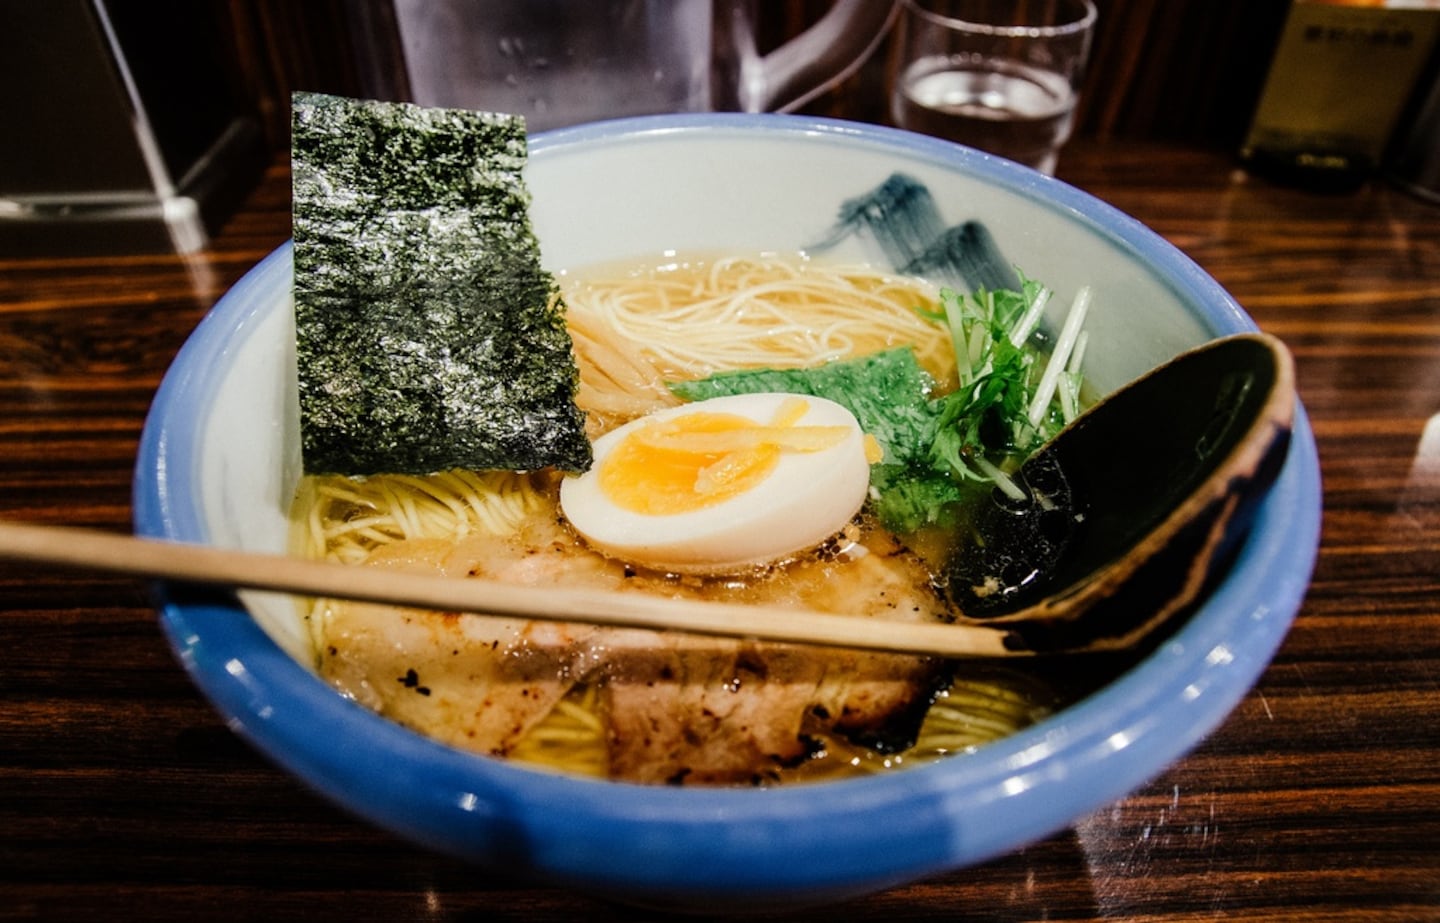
[(138, 123), (1337, 87), (563, 62), (124, 126), (1414, 156), (998, 75), (1178, 70)]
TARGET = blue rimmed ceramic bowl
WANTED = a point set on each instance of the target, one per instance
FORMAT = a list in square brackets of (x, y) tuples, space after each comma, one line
[(220, 457)]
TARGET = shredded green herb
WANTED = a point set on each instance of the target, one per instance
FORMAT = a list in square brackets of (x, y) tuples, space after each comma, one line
[(1006, 404)]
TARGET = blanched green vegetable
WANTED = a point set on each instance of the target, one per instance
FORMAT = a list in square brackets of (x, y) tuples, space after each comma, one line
[(886, 391), (889, 394)]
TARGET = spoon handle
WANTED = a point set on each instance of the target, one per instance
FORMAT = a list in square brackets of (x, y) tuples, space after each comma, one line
[(186, 563)]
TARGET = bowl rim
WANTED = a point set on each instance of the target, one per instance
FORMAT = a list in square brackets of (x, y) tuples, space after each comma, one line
[(710, 844)]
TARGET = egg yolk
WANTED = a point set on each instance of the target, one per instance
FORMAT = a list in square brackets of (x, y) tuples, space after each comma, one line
[(701, 459)]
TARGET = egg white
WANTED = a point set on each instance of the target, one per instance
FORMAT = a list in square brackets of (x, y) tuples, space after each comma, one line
[(807, 498)]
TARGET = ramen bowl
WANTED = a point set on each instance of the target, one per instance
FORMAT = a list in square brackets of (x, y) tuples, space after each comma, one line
[(220, 459)]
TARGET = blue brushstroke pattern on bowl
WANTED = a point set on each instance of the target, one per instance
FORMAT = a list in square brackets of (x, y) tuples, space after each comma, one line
[(216, 461)]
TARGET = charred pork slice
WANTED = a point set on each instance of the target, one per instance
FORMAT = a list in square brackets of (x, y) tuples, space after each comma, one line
[(685, 710), (679, 709), (716, 713), (474, 682)]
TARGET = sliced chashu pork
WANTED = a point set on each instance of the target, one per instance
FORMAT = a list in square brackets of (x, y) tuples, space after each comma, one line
[(684, 709), (678, 708), (479, 683)]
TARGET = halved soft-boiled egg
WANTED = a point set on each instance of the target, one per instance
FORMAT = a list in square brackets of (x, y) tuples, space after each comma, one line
[(721, 485)]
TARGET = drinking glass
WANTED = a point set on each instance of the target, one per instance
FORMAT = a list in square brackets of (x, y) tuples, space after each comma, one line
[(998, 75)]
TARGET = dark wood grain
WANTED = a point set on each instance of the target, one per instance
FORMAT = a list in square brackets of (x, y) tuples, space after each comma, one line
[(124, 796)]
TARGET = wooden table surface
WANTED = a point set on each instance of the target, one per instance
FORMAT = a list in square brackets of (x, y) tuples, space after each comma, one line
[(124, 796)]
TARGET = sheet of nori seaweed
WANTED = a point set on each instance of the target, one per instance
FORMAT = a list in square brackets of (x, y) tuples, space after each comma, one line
[(428, 336)]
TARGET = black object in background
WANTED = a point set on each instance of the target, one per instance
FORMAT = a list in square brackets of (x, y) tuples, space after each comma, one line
[(121, 126)]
